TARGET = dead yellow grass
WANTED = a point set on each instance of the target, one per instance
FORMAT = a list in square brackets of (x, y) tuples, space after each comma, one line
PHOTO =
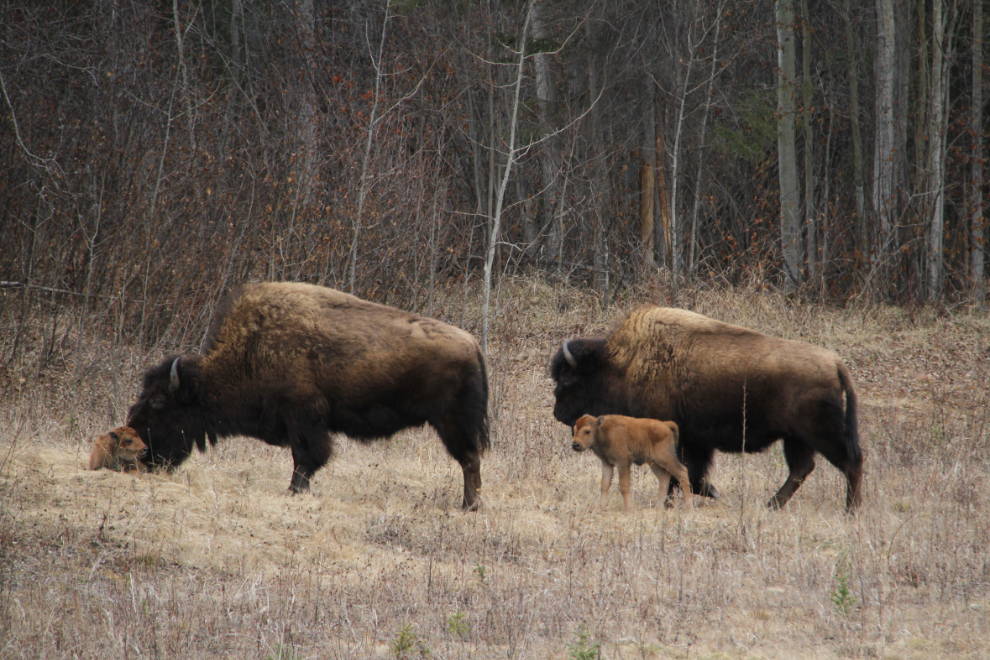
[(217, 561)]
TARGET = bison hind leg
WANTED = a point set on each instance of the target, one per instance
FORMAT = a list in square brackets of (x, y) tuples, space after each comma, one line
[(801, 462), (471, 466)]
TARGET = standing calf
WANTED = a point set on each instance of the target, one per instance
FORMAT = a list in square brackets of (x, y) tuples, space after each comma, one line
[(620, 441)]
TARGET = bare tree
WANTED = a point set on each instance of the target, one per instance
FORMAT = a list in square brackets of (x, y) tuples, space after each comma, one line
[(366, 156), (510, 156), (937, 128), (809, 140), (977, 243), (790, 230), (884, 146), (859, 194)]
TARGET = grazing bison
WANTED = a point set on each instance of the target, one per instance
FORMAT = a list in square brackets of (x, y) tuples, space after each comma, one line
[(714, 380), (121, 450), (292, 363), (620, 441)]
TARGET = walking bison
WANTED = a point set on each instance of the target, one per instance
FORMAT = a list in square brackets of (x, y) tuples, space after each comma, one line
[(714, 380), (290, 364), (620, 441)]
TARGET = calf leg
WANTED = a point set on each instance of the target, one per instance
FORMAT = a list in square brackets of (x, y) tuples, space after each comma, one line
[(624, 470), (664, 478), (607, 471), (801, 461), (680, 473)]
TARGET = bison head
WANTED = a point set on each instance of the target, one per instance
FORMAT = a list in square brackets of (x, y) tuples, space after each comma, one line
[(169, 414), (584, 432), (579, 369)]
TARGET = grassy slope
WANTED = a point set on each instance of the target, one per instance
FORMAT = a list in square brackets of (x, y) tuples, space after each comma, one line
[(216, 561)]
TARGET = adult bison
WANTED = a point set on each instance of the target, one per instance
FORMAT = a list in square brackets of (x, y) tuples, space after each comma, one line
[(292, 363), (713, 380)]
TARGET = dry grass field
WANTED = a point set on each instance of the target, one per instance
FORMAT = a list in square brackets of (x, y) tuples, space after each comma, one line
[(216, 560)]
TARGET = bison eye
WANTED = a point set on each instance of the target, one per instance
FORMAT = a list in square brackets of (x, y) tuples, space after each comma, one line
[(158, 402)]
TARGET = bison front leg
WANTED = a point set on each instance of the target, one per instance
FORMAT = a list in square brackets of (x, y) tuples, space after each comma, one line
[(310, 451)]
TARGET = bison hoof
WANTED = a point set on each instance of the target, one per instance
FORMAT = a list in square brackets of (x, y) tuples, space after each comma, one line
[(473, 506), (708, 490)]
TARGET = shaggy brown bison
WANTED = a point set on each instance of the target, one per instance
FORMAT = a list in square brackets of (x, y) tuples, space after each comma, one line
[(290, 364), (120, 449), (620, 441), (714, 380)]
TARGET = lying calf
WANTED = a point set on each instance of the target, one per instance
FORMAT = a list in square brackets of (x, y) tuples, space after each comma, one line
[(120, 449), (621, 441)]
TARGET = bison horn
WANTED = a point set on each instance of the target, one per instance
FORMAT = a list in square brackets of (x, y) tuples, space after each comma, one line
[(173, 379), (567, 355)]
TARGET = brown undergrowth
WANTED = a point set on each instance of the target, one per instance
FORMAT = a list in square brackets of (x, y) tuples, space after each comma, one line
[(216, 560)]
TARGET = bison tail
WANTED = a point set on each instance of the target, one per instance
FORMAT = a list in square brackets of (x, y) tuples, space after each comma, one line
[(853, 449), (476, 401)]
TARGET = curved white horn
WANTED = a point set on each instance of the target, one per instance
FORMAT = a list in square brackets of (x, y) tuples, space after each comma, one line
[(173, 379), (567, 355)]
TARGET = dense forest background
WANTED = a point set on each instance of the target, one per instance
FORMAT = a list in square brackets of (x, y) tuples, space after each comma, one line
[(154, 153)]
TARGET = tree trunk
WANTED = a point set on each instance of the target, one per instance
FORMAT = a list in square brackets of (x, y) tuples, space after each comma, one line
[(858, 183), (790, 229), (936, 150), (809, 143), (549, 149), (495, 226), (306, 98), (674, 249), (884, 148), (977, 244), (695, 253), (662, 196), (646, 193), (366, 157)]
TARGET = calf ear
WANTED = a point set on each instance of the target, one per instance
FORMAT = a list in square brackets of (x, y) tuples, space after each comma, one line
[(600, 421), (114, 437)]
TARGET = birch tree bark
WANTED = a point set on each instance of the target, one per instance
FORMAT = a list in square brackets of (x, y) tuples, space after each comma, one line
[(790, 230)]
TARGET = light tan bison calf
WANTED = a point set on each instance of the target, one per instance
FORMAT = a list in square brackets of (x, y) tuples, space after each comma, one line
[(620, 441), (120, 449)]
